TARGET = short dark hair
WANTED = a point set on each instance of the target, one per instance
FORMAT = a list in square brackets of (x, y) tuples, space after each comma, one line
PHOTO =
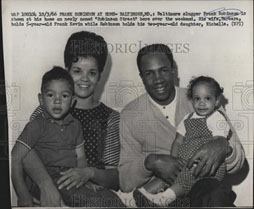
[(85, 44), (204, 79), (155, 48), (57, 73)]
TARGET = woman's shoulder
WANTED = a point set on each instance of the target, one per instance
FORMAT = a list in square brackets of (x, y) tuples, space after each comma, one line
[(113, 115), (38, 111), (108, 109)]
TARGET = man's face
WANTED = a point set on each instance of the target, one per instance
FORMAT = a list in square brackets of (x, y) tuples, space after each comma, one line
[(158, 77)]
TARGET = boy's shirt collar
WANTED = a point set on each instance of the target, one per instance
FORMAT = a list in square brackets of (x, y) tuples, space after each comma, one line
[(66, 121)]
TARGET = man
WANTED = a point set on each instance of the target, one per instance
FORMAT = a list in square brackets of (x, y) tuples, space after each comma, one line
[(148, 127)]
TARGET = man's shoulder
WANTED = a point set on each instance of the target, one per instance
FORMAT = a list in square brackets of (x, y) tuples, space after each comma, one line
[(183, 99), (182, 91), (137, 104)]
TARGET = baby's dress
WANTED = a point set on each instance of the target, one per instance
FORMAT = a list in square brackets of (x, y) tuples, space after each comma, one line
[(197, 134)]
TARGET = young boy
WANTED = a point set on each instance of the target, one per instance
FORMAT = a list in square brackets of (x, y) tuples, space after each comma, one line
[(54, 134)]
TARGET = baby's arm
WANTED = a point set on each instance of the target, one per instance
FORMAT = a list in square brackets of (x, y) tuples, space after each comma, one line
[(18, 153), (180, 133), (178, 141)]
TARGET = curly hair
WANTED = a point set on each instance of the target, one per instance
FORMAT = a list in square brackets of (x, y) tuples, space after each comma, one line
[(85, 44), (204, 79)]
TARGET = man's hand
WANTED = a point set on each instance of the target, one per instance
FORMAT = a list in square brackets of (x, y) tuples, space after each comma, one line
[(164, 167), (209, 157), (75, 177)]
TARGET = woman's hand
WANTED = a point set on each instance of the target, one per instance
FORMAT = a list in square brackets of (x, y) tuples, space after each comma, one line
[(92, 186), (75, 177)]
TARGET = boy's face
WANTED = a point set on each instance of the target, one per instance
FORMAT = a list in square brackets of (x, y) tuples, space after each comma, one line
[(158, 77), (56, 98), (203, 99), (85, 73)]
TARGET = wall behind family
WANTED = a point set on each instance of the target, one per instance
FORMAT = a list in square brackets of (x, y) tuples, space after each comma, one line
[(224, 53)]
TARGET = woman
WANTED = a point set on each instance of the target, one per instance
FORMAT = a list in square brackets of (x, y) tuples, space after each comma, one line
[(85, 57)]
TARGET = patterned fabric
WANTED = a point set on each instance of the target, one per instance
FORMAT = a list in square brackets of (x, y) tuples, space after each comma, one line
[(197, 134), (101, 135), (100, 132)]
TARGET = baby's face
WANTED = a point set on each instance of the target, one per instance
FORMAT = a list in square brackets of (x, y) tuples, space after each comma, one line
[(56, 98), (203, 99)]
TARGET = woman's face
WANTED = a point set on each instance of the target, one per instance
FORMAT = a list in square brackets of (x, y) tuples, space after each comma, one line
[(85, 73)]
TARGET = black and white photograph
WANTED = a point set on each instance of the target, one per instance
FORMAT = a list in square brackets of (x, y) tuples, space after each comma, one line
[(129, 103)]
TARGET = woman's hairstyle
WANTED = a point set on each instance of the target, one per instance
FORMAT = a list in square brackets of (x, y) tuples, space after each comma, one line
[(218, 90), (154, 48), (57, 73), (85, 44)]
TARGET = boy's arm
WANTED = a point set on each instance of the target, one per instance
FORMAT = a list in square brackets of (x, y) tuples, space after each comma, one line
[(80, 151), (49, 196), (82, 163), (19, 151), (76, 177), (81, 157), (35, 169), (178, 141)]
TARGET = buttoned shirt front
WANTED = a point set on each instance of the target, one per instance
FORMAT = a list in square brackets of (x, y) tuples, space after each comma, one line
[(167, 110)]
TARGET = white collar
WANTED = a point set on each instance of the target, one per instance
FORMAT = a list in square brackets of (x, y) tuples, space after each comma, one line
[(168, 111)]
